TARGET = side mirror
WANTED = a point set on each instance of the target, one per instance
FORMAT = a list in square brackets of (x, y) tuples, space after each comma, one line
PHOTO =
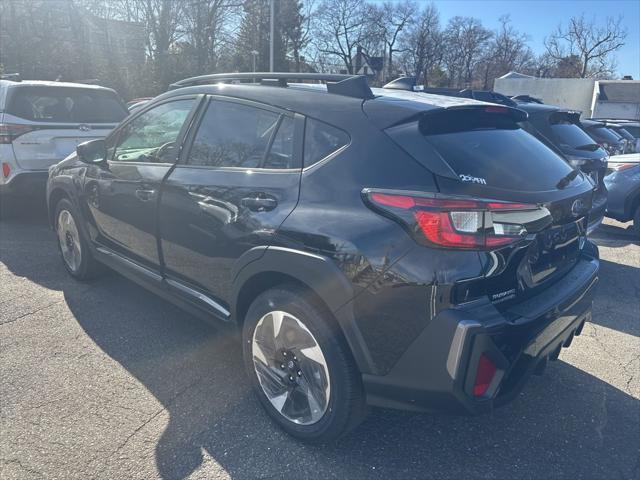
[(92, 152)]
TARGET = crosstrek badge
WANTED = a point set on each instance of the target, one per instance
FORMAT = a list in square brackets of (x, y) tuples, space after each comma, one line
[(472, 179)]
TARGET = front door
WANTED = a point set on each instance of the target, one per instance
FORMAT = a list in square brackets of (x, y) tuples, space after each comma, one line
[(122, 195), (233, 189)]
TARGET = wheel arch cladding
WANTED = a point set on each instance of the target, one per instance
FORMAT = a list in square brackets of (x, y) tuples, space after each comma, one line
[(318, 274), (57, 194)]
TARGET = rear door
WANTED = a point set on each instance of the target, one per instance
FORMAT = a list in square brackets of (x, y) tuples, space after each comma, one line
[(59, 119), (233, 188), (122, 196)]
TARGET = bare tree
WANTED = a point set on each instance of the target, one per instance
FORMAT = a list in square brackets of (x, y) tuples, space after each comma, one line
[(592, 45), (506, 52), (391, 19), (206, 28), (422, 44), (296, 28), (465, 41), (340, 27)]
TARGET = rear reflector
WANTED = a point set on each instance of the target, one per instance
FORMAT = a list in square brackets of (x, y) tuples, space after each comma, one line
[(484, 375), (6, 169), (450, 222)]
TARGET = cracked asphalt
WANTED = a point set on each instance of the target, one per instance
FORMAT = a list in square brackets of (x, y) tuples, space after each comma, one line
[(104, 380)]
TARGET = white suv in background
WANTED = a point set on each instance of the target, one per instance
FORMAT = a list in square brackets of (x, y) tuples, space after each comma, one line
[(42, 122)]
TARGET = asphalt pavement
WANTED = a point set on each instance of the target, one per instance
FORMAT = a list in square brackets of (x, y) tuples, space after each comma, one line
[(105, 380)]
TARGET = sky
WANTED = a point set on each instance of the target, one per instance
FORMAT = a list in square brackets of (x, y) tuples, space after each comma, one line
[(538, 18)]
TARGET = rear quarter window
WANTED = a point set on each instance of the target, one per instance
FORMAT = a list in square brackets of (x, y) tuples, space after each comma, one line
[(491, 149), (66, 105), (321, 140)]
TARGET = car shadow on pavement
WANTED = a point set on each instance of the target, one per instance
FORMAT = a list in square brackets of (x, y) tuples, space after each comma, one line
[(615, 234), (566, 424)]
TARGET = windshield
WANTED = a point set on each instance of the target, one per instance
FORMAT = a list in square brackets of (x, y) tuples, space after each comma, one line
[(66, 105), (492, 149)]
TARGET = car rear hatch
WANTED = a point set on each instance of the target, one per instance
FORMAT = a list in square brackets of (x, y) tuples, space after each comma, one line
[(579, 148), (527, 206), (44, 124)]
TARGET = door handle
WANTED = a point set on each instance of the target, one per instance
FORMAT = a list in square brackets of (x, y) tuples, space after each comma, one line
[(259, 203), (145, 195)]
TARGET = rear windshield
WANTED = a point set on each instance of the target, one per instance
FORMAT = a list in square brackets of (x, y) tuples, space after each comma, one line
[(604, 134), (567, 133), (66, 105), (491, 149)]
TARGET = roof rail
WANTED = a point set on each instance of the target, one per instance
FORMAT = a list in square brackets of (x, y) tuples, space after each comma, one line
[(341, 84)]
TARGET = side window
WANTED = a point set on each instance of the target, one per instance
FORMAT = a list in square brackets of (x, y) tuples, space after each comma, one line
[(321, 140), (281, 151), (233, 135), (152, 136)]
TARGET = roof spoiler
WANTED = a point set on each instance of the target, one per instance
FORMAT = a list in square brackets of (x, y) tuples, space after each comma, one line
[(340, 84)]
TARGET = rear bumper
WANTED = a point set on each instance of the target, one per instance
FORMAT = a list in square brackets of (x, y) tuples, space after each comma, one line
[(438, 370), (32, 182)]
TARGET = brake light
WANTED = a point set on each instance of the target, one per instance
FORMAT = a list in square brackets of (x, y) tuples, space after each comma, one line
[(6, 169), (10, 131), (452, 222), (484, 375)]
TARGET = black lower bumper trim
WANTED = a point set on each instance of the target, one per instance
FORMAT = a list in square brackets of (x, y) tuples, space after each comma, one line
[(438, 370)]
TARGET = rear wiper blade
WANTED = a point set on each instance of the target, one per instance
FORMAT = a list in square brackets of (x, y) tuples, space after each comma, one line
[(590, 147), (566, 180)]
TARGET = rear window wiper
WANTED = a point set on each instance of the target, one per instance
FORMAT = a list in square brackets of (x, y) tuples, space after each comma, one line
[(567, 179)]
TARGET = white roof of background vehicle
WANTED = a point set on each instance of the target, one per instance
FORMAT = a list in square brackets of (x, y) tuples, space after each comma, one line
[(48, 83)]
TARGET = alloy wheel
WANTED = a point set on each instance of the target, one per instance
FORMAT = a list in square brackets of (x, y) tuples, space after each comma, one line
[(291, 368), (69, 240)]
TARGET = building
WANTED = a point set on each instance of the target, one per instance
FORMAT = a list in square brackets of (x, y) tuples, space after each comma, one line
[(594, 98)]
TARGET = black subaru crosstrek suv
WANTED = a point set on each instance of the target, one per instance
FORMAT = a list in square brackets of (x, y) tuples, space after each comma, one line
[(371, 247)]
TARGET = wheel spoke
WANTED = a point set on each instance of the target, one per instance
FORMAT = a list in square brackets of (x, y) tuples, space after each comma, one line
[(291, 367)]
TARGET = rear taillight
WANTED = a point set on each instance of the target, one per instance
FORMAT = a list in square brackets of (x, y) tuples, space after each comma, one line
[(485, 374), (452, 222), (6, 169), (10, 131)]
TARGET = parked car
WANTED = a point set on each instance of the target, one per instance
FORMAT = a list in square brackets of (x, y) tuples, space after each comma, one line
[(626, 136), (623, 184), (42, 122), (560, 129), (372, 247), (605, 137)]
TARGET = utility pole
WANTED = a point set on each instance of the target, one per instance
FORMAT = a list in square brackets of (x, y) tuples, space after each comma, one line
[(271, 33)]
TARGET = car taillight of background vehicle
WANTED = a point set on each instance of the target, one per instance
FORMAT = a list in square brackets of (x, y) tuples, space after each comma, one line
[(10, 131), (452, 222)]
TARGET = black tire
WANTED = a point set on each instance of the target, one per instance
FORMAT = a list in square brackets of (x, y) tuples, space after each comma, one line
[(88, 266), (346, 406)]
